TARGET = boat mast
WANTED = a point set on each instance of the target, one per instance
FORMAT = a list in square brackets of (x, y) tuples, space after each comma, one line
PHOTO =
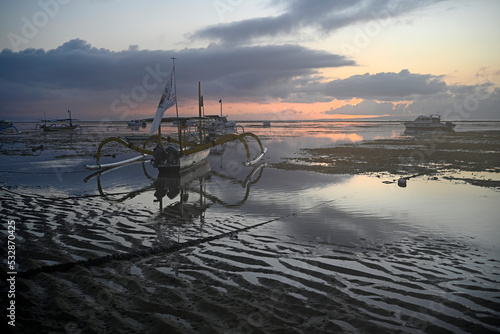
[(175, 87), (179, 125), (70, 123), (199, 111)]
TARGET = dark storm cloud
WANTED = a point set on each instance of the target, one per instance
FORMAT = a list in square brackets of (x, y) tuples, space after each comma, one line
[(385, 86), (99, 83), (380, 86), (368, 107), (254, 73), (136, 78), (73, 65), (323, 15), (456, 102)]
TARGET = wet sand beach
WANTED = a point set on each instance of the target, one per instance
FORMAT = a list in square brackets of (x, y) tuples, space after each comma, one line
[(319, 239)]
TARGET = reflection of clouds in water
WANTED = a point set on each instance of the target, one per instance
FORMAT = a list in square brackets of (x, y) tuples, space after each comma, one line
[(395, 134), (431, 204), (341, 137)]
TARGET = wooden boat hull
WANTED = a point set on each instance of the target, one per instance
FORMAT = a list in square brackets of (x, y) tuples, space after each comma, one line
[(185, 162)]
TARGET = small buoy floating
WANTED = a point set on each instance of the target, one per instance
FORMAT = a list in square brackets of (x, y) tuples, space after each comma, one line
[(402, 182)]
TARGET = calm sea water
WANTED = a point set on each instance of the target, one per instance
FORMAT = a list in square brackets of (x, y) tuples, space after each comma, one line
[(443, 205)]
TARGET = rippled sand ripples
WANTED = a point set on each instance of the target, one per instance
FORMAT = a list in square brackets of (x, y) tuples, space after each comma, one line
[(254, 281)]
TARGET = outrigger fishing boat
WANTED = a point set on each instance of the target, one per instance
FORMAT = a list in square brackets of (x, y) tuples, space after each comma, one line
[(182, 151), (63, 127), (7, 127)]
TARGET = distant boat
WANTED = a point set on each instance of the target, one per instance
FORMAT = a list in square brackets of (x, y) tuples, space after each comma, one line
[(137, 122), (212, 125), (7, 127), (64, 127), (219, 125), (431, 122), (215, 125)]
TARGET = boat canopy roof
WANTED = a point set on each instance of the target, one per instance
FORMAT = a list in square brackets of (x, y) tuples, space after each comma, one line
[(429, 117)]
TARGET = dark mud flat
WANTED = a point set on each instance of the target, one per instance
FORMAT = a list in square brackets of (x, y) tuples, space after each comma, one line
[(79, 143), (421, 154)]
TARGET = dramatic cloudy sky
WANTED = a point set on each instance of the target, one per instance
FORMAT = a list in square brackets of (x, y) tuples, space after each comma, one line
[(266, 59)]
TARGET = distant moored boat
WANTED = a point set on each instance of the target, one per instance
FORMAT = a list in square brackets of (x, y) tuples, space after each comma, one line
[(64, 127), (136, 122), (431, 122)]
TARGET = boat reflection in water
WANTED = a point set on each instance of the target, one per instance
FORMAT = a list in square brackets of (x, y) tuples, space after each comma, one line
[(181, 185), (174, 191)]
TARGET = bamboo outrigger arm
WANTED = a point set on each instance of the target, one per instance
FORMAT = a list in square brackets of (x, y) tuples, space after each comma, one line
[(120, 163), (230, 137), (157, 138), (123, 142), (263, 150), (245, 184), (245, 134)]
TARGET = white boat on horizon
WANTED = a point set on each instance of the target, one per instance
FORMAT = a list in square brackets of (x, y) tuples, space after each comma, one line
[(431, 122), (136, 122)]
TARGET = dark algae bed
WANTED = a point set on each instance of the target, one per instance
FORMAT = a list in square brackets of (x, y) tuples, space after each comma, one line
[(426, 153)]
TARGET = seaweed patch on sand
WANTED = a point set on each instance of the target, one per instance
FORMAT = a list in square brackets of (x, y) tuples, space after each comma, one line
[(422, 154)]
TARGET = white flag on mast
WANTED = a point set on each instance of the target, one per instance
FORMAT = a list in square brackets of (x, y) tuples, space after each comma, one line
[(167, 100)]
